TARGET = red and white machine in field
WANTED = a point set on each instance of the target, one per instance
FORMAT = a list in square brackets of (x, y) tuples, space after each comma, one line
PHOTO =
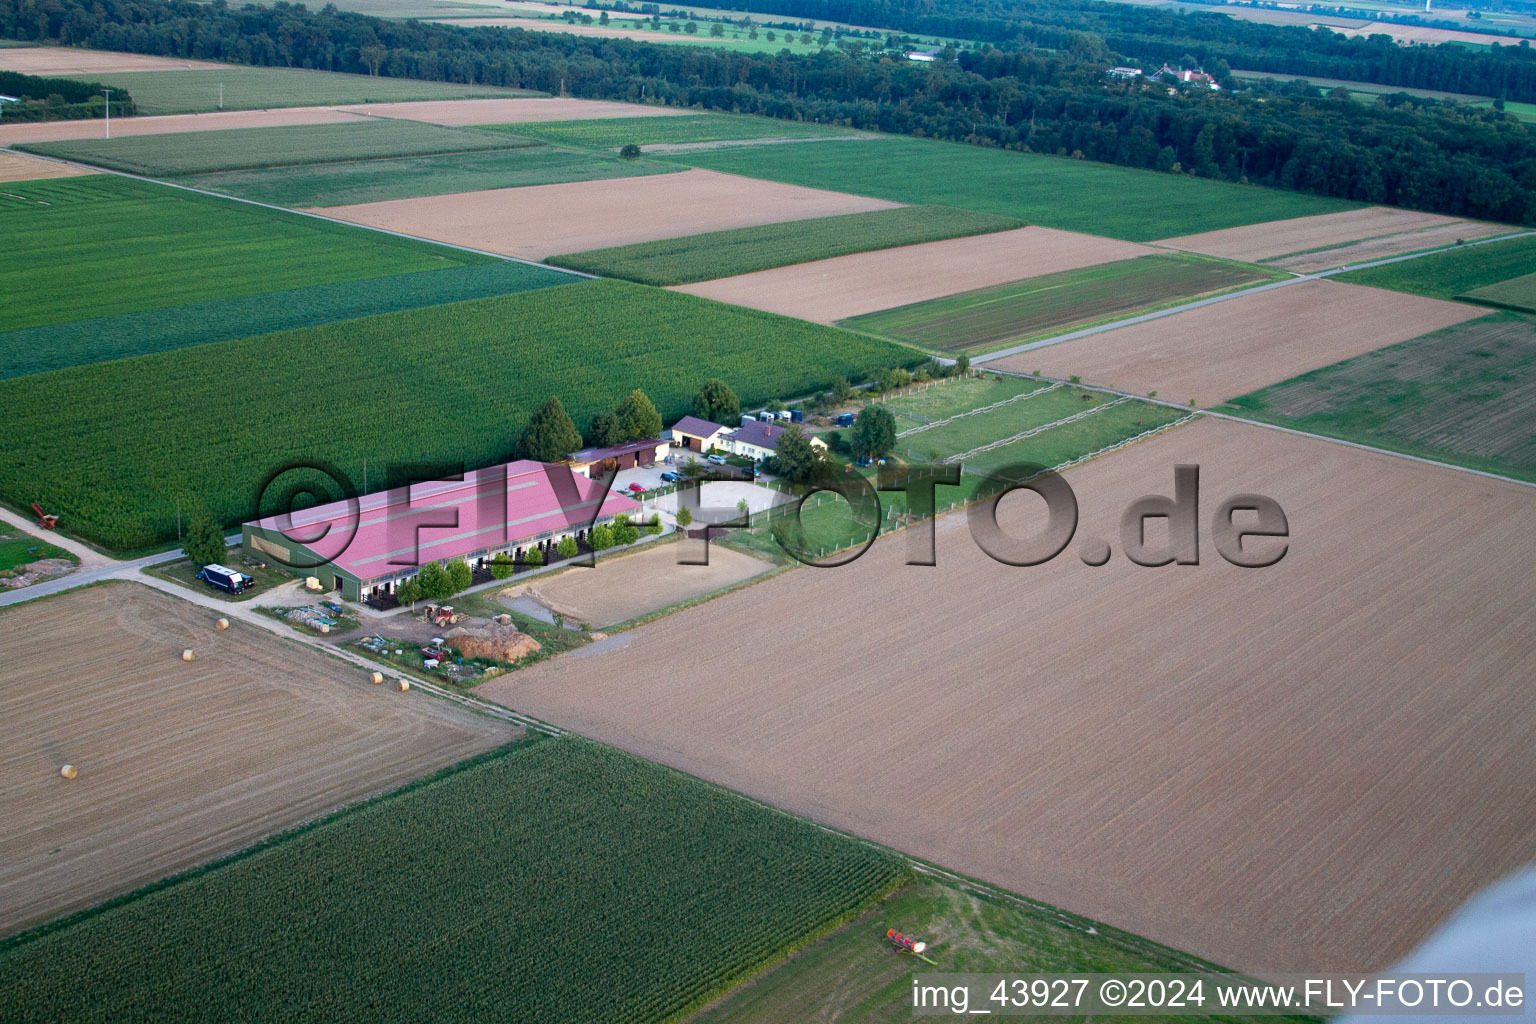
[(908, 944)]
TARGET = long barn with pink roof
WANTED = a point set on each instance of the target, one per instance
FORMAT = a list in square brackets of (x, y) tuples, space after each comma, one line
[(367, 547)]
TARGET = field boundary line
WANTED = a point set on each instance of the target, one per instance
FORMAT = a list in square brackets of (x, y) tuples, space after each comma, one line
[(985, 408), (1032, 431), (308, 213)]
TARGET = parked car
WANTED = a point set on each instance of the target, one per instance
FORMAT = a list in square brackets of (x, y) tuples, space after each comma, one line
[(718, 460), (845, 420), (669, 477), (635, 489), (226, 579)]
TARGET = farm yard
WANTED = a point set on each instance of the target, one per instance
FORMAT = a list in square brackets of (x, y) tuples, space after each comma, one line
[(847, 286), (493, 361), (988, 318), (1305, 244), (1212, 353), (1465, 395), (100, 246), (181, 762), (1073, 195), (690, 127), (97, 339), (718, 254), (542, 220), (684, 890), (1455, 272), (1343, 777)]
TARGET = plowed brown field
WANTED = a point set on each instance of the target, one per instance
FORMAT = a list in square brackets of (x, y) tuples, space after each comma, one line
[(53, 131), (181, 762), (541, 220), (1232, 347), (1302, 767), (1328, 240), (62, 61), (509, 111), (830, 290)]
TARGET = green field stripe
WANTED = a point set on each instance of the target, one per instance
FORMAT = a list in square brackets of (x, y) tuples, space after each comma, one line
[(717, 254), (55, 346), (614, 132), (1458, 271)]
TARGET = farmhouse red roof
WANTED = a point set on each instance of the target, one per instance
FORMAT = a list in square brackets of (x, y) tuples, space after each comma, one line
[(495, 507)]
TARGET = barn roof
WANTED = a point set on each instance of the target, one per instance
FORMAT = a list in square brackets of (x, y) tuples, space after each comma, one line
[(694, 426)]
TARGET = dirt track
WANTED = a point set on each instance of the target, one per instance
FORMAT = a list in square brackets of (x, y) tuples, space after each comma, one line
[(829, 290), (18, 167), (54, 131), (624, 588), (62, 61), (1233, 347), (181, 762), (545, 220), (1391, 230), (509, 111), (1302, 767)]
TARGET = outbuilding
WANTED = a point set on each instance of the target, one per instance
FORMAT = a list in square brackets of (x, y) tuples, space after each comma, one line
[(591, 462), (758, 440), (697, 435)]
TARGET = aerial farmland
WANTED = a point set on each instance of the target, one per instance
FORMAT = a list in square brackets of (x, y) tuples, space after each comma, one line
[(516, 512)]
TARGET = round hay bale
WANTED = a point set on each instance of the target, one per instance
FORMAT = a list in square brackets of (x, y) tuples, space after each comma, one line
[(404, 685), (68, 771), (377, 677), (187, 655), (222, 624)]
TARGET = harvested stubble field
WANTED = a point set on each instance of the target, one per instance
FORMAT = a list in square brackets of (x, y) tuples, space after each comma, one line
[(70, 61), (717, 254), (552, 882), (1075, 195), (619, 589), (1454, 272), (180, 762), (835, 289), (989, 318), (17, 167), (102, 245), (513, 111), (371, 181), (54, 131), (255, 88), (689, 126), (161, 156), (1465, 395), (115, 474), (1303, 767), (1241, 344), (97, 339), (542, 220), (1330, 239)]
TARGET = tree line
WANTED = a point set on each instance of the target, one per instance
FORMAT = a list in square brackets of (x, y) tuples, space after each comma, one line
[(58, 99)]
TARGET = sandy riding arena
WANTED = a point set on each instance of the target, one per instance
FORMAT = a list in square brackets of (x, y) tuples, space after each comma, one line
[(620, 589), (830, 290), (1230, 348), (180, 762), (509, 111), (543, 220), (54, 131), (1300, 767), (1334, 239)]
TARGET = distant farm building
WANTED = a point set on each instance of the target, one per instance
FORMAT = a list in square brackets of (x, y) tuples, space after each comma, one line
[(697, 435), (591, 462), (1124, 72), (759, 440), (368, 548), (1188, 76), (922, 55)]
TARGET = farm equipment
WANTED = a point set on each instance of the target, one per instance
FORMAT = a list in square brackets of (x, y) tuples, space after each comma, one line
[(908, 944), (44, 520), (442, 615)]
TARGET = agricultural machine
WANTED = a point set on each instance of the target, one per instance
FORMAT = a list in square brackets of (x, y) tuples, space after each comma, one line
[(44, 520), (908, 944)]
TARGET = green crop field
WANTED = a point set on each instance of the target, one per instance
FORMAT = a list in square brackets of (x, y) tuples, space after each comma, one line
[(988, 318), (233, 149), (98, 246), (1517, 293), (743, 250), (251, 88), (553, 881), (1455, 272), (444, 383), (78, 342), (340, 184), (1465, 395), (1057, 192), (613, 132)]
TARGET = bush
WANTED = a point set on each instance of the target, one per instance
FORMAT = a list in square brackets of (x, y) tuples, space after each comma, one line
[(460, 576), (601, 537), (502, 567), (567, 547), (535, 556)]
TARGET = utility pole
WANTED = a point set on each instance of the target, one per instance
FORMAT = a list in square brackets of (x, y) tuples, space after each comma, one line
[(106, 94), (221, 95)]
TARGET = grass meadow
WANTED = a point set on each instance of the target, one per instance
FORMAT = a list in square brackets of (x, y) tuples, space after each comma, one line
[(988, 318), (99, 246), (1077, 195), (553, 881), (1464, 395), (1460, 271), (614, 132), (718, 254), (449, 384)]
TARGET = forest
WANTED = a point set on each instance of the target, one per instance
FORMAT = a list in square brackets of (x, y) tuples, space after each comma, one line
[(1041, 88)]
